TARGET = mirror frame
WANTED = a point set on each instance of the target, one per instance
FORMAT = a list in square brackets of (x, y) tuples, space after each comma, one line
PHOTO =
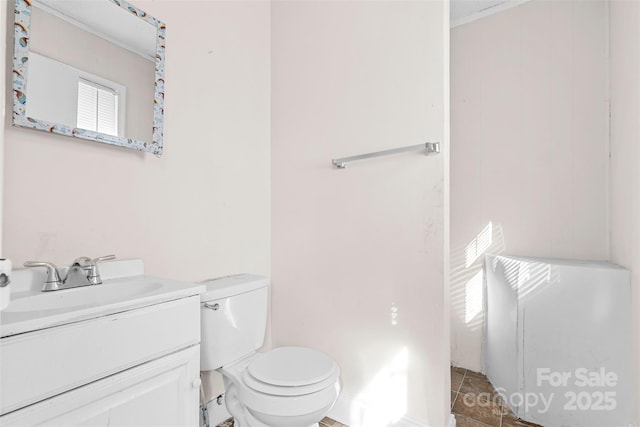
[(21, 32)]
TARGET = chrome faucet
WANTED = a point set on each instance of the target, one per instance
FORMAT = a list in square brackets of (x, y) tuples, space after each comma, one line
[(82, 272)]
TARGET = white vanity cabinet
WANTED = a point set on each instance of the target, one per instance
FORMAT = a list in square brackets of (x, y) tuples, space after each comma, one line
[(128, 365), (162, 392)]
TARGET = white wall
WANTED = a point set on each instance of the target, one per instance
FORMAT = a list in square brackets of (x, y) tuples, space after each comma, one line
[(529, 146), (625, 152), (358, 268), (358, 254), (201, 210)]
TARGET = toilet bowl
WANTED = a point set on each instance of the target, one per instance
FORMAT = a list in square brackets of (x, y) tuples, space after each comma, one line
[(283, 387)]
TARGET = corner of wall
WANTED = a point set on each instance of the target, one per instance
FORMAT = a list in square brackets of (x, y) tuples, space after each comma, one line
[(446, 152)]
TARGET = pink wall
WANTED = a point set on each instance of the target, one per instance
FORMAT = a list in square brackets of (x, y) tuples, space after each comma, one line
[(529, 146), (625, 151), (203, 209), (358, 254)]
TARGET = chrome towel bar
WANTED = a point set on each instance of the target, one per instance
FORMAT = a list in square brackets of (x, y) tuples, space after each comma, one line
[(430, 147)]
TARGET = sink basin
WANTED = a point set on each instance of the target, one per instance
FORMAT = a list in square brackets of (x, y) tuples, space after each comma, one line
[(78, 297), (125, 287)]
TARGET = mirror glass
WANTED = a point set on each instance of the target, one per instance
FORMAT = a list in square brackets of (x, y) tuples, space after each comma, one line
[(90, 69)]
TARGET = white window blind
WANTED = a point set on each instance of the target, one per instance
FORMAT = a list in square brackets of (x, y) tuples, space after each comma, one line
[(97, 108)]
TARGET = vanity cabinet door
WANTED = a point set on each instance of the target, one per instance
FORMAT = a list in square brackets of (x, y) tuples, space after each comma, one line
[(163, 392)]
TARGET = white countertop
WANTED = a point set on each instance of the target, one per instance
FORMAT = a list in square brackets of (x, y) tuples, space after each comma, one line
[(125, 287)]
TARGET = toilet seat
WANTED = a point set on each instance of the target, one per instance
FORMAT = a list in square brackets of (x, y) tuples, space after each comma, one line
[(260, 397), (291, 371), (292, 366)]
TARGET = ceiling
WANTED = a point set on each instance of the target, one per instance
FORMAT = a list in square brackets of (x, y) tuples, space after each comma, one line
[(114, 24), (463, 11)]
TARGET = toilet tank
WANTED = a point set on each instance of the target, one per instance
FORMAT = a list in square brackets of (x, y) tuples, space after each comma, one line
[(233, 319)]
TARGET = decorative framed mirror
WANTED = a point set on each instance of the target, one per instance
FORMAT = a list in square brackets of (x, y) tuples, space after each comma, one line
[(99, 78)]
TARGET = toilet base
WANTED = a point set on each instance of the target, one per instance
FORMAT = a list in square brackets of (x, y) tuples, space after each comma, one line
[(242, 417), (251, 421)]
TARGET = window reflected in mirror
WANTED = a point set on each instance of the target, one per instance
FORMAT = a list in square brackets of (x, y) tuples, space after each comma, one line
[(100, 78)]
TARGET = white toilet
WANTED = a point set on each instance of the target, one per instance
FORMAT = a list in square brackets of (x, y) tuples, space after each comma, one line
[(284, 387)]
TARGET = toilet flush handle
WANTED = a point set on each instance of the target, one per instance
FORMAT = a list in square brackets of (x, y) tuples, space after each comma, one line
[(214, 307)]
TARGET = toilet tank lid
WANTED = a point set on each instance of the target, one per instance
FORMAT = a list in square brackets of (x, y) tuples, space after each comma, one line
[(228, 286)]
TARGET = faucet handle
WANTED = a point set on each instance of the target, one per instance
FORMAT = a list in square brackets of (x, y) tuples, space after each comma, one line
[(103, 258), (91, 267), (53, 280)]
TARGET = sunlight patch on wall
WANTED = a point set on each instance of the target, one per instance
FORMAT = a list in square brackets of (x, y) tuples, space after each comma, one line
[(473, 297), (394, 314), (527, 276), (478, 246), (383, 402), (467, 291)]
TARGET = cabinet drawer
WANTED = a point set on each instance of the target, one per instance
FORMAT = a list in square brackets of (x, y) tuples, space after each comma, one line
[(163, 392), (51, 361)]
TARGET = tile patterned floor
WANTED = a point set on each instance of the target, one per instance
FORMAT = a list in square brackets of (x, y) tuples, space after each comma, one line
[(475, 403), (326, 422)]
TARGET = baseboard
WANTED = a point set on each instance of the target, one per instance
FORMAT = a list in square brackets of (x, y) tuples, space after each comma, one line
[(341, 412)]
